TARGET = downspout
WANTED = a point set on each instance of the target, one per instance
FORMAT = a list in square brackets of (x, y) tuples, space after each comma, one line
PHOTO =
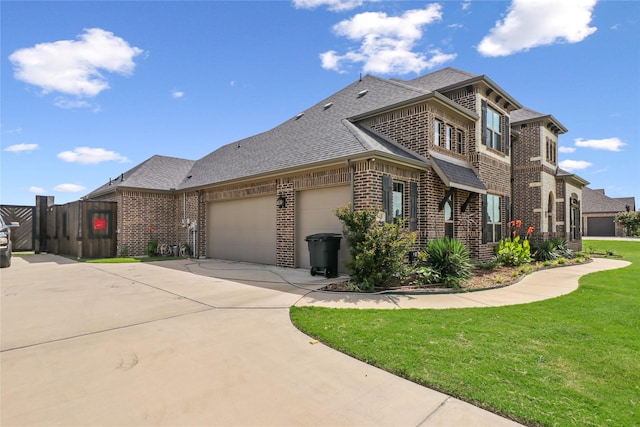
[(352, 176)]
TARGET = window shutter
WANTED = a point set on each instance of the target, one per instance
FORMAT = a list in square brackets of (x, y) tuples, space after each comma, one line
[(387, 197), (484, 218), (507, 135), (483, 117), (413, 206)]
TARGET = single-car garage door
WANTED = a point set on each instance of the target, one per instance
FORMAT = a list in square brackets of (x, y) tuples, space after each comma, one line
[(315, 214), (243, 230), (602, 226)]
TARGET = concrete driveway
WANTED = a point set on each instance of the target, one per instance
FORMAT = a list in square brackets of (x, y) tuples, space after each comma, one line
[(142, 344)]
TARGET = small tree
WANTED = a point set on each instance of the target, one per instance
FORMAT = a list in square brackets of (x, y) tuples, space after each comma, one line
[(378, 249), (630, 220)]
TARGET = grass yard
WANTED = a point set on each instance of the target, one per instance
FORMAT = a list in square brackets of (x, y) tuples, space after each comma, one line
[(573, 360)]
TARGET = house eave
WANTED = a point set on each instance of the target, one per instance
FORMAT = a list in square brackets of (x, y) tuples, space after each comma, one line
[(432, 96)]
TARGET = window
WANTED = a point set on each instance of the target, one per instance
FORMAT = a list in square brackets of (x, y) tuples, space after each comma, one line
[(459, 137), (448, 136), (492, 221), (437, 127), (552, 151), (494, 133), (398, 205), (575, 218), (448, 216)]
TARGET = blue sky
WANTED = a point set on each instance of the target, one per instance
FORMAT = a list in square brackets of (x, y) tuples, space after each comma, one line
[(91, 89)]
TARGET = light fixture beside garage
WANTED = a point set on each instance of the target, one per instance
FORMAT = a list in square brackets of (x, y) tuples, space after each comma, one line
[(281, 201)]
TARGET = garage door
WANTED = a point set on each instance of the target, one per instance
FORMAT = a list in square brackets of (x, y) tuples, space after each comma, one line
[(315, 214), (243, 230), (603, 226)]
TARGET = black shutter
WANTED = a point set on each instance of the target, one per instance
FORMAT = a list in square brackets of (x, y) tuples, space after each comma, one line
[(413, 206), (507, 135), (387, 197), (484, 219), (483, 117)]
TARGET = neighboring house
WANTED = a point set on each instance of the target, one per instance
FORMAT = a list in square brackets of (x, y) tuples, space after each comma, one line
[(434, 151), (599, 213), (544, 195)]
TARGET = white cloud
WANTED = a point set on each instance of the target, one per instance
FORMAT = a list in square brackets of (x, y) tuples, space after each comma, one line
[(176, 94), (68, 104), (574, 165), (532, 23), (91, 156), (18, 148), (36, 190), (608, 144), (69, 188), (387, 42), (333, 5), (566, 149), (74, 67)]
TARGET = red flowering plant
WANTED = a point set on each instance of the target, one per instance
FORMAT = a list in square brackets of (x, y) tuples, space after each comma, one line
[(152, 244), (513, 250)]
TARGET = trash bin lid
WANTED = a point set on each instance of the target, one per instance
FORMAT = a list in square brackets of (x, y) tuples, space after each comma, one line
[(323, 236)]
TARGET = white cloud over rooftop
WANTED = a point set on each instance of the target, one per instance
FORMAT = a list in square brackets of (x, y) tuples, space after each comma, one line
[(91, 156), (607, 144), (75, 67), (387, 43), (333, 5), (532, 23)]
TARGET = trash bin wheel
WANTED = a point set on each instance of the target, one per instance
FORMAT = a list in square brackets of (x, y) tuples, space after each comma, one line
[(313, 271), (327, 272)]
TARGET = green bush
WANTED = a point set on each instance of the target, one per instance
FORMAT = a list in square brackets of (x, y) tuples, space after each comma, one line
[(630, 220), (378, 250), (424, 275), (513, 251), (450, 258), (545, 250)]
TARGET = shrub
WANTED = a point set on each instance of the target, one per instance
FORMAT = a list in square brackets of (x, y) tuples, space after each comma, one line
[(426, 276), (513, 251), (378, 250), (630, 220), (450, 258), (545, 250)]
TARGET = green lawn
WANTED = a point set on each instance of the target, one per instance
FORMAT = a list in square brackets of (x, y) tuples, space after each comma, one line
[(573, 360)]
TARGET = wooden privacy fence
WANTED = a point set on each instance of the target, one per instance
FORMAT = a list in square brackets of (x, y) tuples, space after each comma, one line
[(81, 229)]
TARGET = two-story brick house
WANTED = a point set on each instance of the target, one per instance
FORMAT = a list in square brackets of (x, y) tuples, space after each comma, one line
[(434, 151), (544, 195)]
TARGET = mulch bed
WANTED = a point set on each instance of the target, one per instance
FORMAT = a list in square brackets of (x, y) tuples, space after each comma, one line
[(482, 279)]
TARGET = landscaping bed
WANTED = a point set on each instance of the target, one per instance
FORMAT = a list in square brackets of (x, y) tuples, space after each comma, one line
[(481, 279)]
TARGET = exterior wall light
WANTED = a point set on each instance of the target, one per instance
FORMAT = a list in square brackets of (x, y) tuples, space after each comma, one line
[(281, 201)]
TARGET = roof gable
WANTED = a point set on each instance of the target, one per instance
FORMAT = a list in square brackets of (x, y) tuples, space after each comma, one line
[(595, 201), (316, 135), (156, 173)]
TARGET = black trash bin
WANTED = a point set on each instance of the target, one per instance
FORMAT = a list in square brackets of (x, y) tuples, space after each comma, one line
[(323, 253)]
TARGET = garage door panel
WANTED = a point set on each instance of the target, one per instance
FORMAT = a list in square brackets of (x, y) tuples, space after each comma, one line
[(601, 226), (243, 230), (315, 214)]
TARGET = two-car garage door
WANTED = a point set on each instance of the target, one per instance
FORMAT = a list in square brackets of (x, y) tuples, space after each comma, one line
[(245, 229)]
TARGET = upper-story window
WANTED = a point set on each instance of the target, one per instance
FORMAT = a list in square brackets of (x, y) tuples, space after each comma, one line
[(437, 131), (493, 137), (552, 151), (448, 137), (459, 137)]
